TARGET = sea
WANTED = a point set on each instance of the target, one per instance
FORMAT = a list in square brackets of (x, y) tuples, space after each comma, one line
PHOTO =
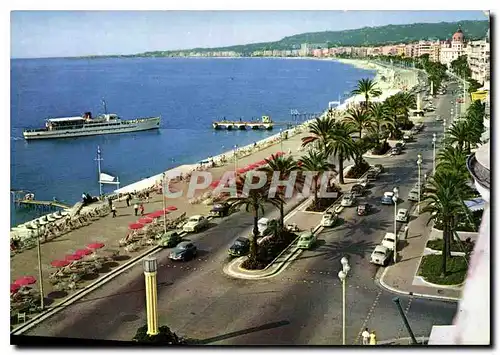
[(188, 94)]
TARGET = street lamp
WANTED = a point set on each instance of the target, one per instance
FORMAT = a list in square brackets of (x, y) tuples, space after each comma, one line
[(150, 265), (434, 153), (419, 164), (40, 274), (163, 201), (281, 139), (395, 198), (342, 276), (444, 129), (235, 159)]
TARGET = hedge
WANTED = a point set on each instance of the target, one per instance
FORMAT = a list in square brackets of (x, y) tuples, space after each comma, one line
[(437, 244), (430, 269)]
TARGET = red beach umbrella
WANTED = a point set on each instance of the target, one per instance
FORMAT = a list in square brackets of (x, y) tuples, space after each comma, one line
[(242, 170), (73, 257), (171, 208), (215, 183), (25, 281), (95, 245), (60, 263), (82, 252), (253, 166), (135, 226), (261, 162), (145, 220), (14, 288)]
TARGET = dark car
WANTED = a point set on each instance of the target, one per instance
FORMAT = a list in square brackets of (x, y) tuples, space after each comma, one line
[(364, 209), (379, 167), (395, 151), (220, 209), (357, 190), (400, 145), (372, 176), (240, 247), (183, 251)]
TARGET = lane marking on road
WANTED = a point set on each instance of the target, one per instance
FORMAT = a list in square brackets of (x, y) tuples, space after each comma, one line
[(406, 310), (368, 316)]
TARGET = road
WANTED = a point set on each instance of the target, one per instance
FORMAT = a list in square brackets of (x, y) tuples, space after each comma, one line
[(301, 305)]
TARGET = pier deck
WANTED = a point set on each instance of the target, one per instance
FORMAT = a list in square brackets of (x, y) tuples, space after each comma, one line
[(238, 125), (56, 204)]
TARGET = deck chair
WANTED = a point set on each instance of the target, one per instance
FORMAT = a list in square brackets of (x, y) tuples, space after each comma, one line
[(21, 317)]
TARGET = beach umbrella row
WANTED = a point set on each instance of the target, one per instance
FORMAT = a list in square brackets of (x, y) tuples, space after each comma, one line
[(77, 255)]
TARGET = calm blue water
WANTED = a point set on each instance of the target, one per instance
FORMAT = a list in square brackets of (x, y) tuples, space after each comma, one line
[(188, 94)]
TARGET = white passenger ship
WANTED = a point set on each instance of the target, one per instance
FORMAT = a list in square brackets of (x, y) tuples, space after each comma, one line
[(107, 123)]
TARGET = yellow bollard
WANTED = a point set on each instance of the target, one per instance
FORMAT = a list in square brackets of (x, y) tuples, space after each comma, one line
[(150, 271)]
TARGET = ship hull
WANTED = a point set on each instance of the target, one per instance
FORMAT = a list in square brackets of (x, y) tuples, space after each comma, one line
[(143, 125)]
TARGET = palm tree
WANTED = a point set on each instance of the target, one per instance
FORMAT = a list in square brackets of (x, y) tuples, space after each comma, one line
[(359, 118), (458, 133), (319, 131), (367, 88), (406, 102), (285, 165), (342, 145), (453, 160), (380, 118), (392, 106), (316, 162), (254, 201)]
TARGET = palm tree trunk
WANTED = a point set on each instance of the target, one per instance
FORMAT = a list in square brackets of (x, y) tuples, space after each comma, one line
[(253, 242), (360, 132), (444, 252), (341, 169), (315, 182), (282, 216)]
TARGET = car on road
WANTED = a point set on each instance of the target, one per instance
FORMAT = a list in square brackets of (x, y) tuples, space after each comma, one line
[(380, 255), (401, 145), (387, 198), (220, 209), (264, 225), (407, 137), (379, 168), (329, 219), (395, 151), (363, 182), (389, 240), (357, 190), (439, 118), (402, 215), (183, 251), (169, 239), (413, 194), (195, 223), (306, 240), (371, 176), (348, 200), (241, 246), (363, 209)]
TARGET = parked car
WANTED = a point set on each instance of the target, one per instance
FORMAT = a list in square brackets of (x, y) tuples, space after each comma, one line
[(379, 168), (169, 239), (329, 219), (389, 240), (400, 145), (363, 209), (395, 151), (220, 209), (363, 182), (306, 240), (387, 198), (357, 190), (264, 225), (183, 251), (371, 176), (402, 215), (348, 200), (413, 194), (241, 246), (380, 255), (407, 137), (195, 223)]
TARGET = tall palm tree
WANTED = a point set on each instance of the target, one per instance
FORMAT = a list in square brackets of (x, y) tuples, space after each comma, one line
[(392, 106), (319, 131), (316, 162), (459, 133), (359, 118), (380, 118), (453, 160), (285, 165), (342, 145), (367, 88), (253, 201), (406, 102)]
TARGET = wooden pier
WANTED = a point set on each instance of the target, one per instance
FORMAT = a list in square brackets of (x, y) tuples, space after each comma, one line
[(264, 124), (35, 203)]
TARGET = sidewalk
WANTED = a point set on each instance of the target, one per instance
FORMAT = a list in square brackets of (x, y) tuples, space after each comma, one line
[(399, 278)]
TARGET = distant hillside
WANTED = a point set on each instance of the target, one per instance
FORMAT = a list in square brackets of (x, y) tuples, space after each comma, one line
[(366, 36)]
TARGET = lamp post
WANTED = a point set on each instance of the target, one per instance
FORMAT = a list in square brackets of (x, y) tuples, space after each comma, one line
[(419, 164), (342, 276), (163, 202), (40, 274), (150, 270), (395, 198), (434, 153), (281, 139), (235, 159)]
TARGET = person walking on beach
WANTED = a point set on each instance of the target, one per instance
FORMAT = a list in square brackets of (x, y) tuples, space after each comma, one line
[(110, 204), (128, 200), (373, 338), (136, 208), (113, 210), (365, 336), (141, 208), (147, 196)]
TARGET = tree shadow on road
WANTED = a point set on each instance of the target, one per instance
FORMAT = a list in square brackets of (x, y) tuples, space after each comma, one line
[(240, 332), (364, 226), (337, 250)]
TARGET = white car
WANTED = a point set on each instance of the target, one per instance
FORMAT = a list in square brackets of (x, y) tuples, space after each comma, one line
[(388, 241), (329, 219), (348, 200), (402, 215), (380, 256), (387, 198), (263, 225), (413, 194), (195, 223)]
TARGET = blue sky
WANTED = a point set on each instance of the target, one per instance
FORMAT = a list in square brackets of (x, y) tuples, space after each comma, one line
[(36, 34)]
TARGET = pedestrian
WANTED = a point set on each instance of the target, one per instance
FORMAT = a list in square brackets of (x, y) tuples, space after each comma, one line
[(110, 204), (136, 208), (366, 336), (141, 208), (128, 200), (147, 196), (373, 338), (113, 209)]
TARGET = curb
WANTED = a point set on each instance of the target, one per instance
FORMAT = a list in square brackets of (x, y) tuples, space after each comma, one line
[(381, 282), (406, 339)]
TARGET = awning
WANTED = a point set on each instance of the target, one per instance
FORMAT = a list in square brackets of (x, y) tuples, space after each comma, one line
[(476, 204)]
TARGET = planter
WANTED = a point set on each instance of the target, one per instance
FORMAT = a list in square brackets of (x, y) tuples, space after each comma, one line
[(438, 234), (357, 172), (430, 269)]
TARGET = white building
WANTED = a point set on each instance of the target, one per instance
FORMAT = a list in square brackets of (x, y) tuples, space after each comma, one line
[(451, 50), (478, 57)]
